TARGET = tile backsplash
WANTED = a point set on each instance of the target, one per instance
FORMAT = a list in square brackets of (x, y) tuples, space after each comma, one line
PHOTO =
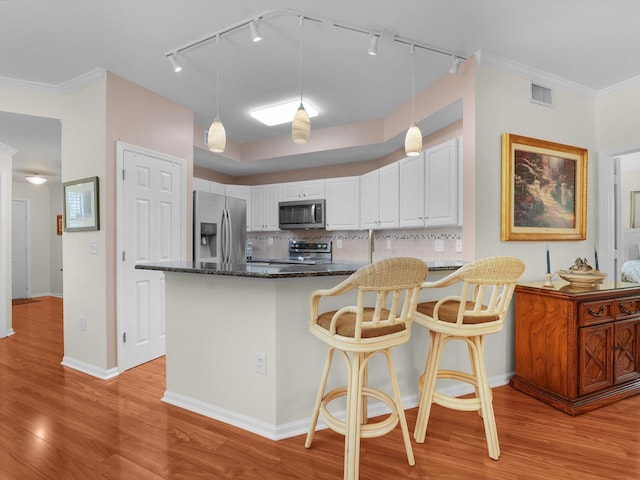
[(353, 246)]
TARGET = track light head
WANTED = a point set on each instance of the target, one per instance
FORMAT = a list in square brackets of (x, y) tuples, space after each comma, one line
[(174, 63), (455, 64), (255, 33), (373, 44)]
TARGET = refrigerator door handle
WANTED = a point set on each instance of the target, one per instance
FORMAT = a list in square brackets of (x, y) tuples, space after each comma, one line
[(223, 237), (230, 235)]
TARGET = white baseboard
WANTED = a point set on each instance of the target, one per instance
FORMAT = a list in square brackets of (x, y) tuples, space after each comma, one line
[(89, 369), (298, 427)]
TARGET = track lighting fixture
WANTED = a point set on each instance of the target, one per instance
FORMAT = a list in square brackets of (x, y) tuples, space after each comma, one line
[(301, 125), (36, 179), (174, 63), (217, 136), (373, 44), (413, 139), (255, 33), (455, 64)]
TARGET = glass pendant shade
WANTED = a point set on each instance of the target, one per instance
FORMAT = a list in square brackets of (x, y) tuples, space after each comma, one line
[(301, 126), (217, 137), (36, 179), (413, 141)]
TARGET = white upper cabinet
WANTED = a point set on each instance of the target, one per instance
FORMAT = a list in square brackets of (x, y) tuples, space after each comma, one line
[(379, 201), (202, 185), (312, 189), (343, 203), (442, 164), (264, 207), (429, 187)]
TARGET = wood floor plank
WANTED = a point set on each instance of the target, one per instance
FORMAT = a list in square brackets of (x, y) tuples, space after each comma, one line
[(59, 423)]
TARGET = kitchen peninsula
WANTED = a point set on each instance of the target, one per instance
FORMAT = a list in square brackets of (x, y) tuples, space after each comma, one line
[(238, 348)]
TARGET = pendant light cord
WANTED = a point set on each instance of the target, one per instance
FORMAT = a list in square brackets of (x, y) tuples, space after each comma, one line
[(218, 78), (301, 58), (413, 85)]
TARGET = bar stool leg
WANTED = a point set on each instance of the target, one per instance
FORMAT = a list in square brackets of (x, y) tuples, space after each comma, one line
[(429, 377), (400, 409), (353, 420), (321, 389), (485, 397)]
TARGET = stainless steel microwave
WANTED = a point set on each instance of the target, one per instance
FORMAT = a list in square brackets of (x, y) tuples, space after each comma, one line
[(301, 214)]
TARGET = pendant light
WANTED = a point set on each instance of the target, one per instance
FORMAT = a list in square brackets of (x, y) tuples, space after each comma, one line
[(217, 138), (413, 140), (301, 125)]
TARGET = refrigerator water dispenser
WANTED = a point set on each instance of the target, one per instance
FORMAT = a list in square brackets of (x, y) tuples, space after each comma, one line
[(208, 232)]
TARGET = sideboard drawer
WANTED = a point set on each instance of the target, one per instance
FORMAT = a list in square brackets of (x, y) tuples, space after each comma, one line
[(627, 307), (593, 313)]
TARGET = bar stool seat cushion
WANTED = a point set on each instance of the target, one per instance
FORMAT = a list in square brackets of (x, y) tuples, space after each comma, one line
[(448, 312), (346, 324)]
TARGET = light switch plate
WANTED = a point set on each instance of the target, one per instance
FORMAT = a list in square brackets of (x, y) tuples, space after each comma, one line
[(458, 246), (93, 247), (439, 245)]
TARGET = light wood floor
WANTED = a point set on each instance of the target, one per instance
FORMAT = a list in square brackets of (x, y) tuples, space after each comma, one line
[(57, 423)]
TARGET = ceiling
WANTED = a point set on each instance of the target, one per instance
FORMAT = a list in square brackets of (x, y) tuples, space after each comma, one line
[(588, 43)]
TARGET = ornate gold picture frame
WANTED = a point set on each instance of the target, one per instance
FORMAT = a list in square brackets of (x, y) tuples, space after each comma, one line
[(544, 190)]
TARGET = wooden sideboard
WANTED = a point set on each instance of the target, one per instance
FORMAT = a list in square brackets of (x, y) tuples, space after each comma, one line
[(577, 349)]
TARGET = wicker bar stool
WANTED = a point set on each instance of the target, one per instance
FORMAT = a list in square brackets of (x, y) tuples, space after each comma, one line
[(487, 288), (360, 331)]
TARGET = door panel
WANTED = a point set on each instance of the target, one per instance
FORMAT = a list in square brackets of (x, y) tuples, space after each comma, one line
[(152, 232)]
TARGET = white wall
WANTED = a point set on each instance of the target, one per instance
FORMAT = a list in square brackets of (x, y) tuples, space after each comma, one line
[(503, 107)]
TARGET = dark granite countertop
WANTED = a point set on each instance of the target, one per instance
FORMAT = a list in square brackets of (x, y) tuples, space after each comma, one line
[(261, 270)]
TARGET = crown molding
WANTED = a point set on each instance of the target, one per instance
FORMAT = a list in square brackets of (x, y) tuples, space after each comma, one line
[(7, 149), (633, 82), (68, 86), (538, 76)]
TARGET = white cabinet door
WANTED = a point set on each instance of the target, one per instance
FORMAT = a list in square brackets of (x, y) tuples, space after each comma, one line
[(272, 198), (219, 188), (343, 203), (411, 211), (312, 189), (388, 196), (201, 185), (369, 200), (264, 207), (379, 197), (441, 184)]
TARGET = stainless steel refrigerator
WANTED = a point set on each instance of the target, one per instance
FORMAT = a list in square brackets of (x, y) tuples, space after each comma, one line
[(219, 228)]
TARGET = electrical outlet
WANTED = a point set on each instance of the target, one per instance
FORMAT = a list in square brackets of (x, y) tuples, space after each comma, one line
[(388, 244), (261, 363), (458, 246), (270, 240), (83, 323), (93, 247), (338, 243), (439, 247)]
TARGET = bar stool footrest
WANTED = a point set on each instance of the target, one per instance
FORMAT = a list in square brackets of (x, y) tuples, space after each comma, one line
[(367, 430)]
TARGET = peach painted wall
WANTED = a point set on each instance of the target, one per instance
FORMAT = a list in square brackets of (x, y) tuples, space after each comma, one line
[(139, 117)]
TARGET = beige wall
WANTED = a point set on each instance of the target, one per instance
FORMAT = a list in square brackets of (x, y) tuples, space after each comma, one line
[(503, 107), (137, 116)]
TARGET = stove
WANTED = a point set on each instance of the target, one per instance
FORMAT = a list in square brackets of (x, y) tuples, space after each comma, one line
[(309, 253)]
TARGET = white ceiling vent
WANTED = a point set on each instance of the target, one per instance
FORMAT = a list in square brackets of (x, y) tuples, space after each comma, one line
[(541, 95)]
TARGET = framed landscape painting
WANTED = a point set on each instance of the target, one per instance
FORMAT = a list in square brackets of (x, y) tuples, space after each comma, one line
[(544, 190)]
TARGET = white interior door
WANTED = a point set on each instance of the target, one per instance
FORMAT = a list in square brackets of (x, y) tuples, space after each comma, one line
[(153, 229), (19, 249)]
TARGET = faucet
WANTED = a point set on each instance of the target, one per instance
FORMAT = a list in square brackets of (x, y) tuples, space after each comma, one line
[(371, 245)]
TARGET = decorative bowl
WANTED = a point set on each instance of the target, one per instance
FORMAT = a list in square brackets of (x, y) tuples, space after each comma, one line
[(583, 279)]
